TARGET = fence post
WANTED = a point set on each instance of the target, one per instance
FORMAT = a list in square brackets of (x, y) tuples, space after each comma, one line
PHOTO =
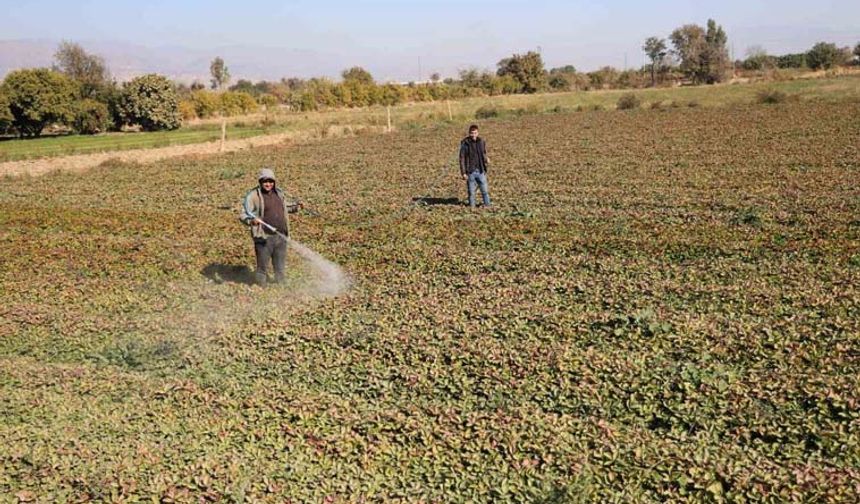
[(388, 109), (223, 133)]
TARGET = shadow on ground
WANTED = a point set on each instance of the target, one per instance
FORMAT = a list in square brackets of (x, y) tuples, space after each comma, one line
[(229, 273), (429, 201)]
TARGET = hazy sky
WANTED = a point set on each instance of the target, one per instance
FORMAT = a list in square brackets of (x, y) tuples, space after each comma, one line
[(444, 34)]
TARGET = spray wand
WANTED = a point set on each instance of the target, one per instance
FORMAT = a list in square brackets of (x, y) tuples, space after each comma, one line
[(273, 229)]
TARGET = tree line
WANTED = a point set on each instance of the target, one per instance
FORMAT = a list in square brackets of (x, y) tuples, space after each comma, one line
[(79, 93)]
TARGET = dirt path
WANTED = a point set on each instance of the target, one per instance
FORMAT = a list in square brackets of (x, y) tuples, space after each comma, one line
[(82, 162)]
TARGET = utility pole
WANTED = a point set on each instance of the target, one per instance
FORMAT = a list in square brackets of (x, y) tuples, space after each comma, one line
[(733, 59), (419, 68)]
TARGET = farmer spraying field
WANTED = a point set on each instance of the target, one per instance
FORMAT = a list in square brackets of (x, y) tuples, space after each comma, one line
[(266, 211)]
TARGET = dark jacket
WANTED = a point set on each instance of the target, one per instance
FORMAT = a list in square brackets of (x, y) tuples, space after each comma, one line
[(473, 156)]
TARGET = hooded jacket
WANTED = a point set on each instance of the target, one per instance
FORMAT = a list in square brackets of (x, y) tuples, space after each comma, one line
[(253, 207)]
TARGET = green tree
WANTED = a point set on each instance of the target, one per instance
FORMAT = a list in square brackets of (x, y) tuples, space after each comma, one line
[(796, 60), (358, 75), (604, 78), (823, 55), (717, 63), (6, 117), (38, 97), (758, 59), (566, 69), (86, 69), (655, 48), (527, 69), (470, 78), (150, 101), (689, 47), (91, 117), (219, 72), (703, 53)]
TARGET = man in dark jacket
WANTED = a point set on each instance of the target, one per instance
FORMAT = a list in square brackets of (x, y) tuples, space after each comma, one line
[(267, 204), (473, 165)]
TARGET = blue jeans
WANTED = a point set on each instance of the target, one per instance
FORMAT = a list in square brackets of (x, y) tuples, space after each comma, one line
[(478, 179)]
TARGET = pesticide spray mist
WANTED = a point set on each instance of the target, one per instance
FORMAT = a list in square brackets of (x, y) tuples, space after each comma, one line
[(331, 281)]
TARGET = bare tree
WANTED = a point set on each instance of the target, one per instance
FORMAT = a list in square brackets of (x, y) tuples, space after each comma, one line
[(220, 73), (87, 69)]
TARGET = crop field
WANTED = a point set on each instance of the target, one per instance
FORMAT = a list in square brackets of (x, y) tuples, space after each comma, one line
[(663, 305)]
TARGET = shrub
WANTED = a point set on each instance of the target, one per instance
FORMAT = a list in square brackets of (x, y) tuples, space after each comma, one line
[(237, 103), (771, 96), (150, 101), (268, 101), (657, 105), (693, 104), (206, 103), (823, 56), (530, 109), (559, 82), (628, 101), (187, 110), (38, 97), (486, 112), (91, 117)]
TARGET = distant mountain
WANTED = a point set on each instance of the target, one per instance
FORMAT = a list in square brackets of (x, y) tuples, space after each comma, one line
[(126, 61)]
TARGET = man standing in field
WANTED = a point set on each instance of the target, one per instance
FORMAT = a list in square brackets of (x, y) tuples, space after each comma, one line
[(267, 204), (473, 165)]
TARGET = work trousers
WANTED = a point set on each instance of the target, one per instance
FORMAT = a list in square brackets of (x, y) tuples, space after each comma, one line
[(274, 249)]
